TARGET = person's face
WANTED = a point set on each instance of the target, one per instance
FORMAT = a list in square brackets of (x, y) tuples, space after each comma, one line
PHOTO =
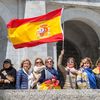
[(98, 64), (70, 63), (38, 63), (26, 65), (49, 63), (7, 65), (86, 65)]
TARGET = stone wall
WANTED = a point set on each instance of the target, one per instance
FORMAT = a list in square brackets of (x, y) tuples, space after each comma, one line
[(50, 95)]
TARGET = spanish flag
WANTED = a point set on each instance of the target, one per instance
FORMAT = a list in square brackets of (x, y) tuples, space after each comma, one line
[(34, 31)]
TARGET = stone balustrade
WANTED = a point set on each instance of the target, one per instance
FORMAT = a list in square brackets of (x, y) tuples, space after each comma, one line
[(70, 94)]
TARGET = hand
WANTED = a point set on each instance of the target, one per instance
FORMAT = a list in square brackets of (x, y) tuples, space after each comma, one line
[(4, 73), (53, 80), (74, 71), (62, 52), (6, 81)]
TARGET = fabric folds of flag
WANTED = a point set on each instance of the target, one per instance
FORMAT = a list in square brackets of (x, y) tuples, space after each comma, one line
[(30, 32)]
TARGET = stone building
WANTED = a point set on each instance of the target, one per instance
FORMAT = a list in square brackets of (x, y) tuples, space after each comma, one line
[(80, 22)]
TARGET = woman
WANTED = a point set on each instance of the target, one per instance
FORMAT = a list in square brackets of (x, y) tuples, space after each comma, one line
[(37, 69), (69, 72), (97, 73), (49, 76), (7, 75), (22, 79), (86, 78)]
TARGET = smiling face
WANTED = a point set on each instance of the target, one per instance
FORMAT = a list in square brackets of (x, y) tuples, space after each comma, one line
[(49, 63), (39, 62), (86, 64), (26, 64), (71, 62)]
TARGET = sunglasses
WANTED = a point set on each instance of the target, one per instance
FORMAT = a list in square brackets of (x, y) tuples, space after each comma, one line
[(49, 62), (38, 62)]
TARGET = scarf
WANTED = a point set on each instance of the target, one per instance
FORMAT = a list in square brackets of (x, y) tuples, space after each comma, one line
[(50, 72), (38, 69), (91, 77)]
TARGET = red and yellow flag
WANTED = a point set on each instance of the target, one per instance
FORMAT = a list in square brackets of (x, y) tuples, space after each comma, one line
[(34, 31)]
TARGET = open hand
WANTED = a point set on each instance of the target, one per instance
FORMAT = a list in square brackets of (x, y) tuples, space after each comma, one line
[(62, 52)]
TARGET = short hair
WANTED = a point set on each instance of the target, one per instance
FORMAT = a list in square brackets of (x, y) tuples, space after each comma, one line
[(25, 61), (46, 60), (84, 60)]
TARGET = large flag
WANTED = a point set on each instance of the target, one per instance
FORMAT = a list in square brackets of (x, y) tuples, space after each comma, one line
[(34, 31)]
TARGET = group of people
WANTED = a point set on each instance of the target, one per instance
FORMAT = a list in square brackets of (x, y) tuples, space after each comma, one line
[(45, 75)]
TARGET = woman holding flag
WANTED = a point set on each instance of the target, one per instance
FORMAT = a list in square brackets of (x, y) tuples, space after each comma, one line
[(69, 72)]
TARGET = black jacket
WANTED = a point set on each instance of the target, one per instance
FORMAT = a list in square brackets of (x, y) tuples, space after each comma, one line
[(10, 71)]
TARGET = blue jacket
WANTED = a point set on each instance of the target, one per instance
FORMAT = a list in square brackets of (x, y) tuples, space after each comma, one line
[(21, 80)]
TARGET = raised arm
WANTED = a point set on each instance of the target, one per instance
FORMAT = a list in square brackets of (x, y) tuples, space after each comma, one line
[(60, 58), (60, 66)]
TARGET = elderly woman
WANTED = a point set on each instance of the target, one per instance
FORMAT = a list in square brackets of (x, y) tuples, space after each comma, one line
[(36, 74), (22, 79), (69, 73), (49, 76), (86, 78), (7, 75)]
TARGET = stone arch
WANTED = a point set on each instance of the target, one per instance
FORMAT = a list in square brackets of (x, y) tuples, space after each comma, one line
[(87, 16), (77, 22)]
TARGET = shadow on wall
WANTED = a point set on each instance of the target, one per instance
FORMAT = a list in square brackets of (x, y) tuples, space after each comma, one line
[(3, 41)]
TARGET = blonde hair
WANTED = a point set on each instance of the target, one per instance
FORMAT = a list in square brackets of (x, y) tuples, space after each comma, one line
[(84, 60), (25, 61)]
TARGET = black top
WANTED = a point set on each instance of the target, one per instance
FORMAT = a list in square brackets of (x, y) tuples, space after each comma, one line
[(10, 71)]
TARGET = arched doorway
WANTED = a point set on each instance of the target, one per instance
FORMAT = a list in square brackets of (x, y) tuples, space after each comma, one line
[(80, 41)]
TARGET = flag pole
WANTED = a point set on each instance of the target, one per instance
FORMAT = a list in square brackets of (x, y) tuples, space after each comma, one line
[(63, 32)]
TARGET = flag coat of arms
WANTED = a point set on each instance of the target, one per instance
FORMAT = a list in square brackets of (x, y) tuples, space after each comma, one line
[(30, 32)]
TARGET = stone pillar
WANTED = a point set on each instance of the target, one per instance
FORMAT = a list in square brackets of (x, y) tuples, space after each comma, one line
[(3, 41)]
